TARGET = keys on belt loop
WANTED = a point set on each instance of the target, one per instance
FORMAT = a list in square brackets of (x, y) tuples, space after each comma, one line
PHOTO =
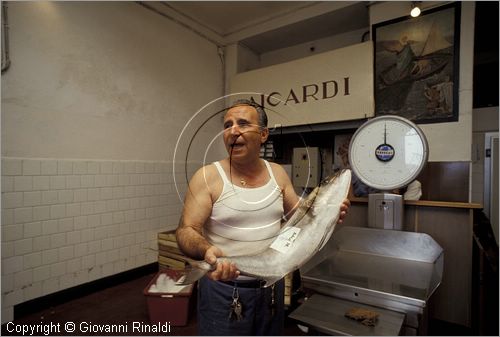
[(273, 302), (235, 311)]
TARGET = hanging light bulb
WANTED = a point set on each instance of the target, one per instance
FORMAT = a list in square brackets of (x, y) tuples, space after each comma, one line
[(415, 9)]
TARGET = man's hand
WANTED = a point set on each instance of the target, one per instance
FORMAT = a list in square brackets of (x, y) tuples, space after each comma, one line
[(224, 271), (344, 209)]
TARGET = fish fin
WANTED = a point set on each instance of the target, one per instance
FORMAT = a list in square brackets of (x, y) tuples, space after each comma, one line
[(304, 208), (270, 281), (194, 272)]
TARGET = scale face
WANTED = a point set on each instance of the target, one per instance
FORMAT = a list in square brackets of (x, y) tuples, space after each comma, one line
[(388, 152)]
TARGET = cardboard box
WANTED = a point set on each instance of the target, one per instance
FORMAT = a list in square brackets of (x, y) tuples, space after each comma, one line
[(169, 307)]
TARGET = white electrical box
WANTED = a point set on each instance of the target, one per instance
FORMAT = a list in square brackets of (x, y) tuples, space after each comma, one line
[(306, 167), (385, 211)]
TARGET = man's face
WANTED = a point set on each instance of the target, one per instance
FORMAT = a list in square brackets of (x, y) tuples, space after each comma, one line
[(242, 134)]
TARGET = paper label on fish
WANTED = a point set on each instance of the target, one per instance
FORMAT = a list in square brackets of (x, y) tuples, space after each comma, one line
[(285, 240)]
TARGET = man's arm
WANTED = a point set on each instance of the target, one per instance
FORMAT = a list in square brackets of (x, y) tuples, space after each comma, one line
[(197, 208), (290, 198)]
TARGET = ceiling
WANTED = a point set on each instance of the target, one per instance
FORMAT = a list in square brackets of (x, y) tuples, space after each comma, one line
[(343, 20), (231, 18), (226, 17)]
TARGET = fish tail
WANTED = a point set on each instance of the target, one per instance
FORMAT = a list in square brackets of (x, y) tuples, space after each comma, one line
[(334, 176), (194, 271)]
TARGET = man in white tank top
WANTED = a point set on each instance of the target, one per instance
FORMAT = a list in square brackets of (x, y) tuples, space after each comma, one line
[(235, 207)]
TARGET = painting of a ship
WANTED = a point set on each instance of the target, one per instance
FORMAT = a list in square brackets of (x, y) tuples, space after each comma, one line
[(415, 61)]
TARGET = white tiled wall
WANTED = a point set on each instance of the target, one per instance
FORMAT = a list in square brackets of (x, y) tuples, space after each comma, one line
[(68, 222)]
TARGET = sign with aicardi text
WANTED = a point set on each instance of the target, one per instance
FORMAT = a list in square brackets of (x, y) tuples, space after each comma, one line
[(327, 87)]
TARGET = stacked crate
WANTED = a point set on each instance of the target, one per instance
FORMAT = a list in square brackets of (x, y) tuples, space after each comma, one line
[(169, 254)]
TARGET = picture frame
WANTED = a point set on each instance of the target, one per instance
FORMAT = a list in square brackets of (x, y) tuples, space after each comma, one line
[(416, 64)]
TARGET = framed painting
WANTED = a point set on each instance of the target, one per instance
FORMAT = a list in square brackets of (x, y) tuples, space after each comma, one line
[(417, 65)]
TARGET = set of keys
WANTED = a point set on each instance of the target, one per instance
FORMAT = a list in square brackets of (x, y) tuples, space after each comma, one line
[(273, 302), (236, 307), (235, 311)]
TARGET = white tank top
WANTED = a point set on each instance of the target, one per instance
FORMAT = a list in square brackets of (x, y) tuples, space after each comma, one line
[(244, 221)]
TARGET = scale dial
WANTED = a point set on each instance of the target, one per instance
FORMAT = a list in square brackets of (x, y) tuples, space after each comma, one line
[(388, 152)]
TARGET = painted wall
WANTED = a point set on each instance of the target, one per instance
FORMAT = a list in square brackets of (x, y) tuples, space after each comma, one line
[(92, 106), (95, 74)]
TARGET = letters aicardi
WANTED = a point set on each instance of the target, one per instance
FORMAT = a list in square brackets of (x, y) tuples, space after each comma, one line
[(327, 87)]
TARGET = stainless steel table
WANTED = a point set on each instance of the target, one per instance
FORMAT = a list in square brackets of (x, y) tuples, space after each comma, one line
[(393, 270), (326, 314)]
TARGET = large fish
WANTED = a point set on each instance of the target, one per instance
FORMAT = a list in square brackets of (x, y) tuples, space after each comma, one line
[(307, 231)]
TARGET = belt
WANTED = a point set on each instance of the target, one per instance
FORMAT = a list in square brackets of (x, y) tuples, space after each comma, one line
[(245, 283)]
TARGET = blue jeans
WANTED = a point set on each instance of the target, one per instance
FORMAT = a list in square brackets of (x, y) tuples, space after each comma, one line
[(214, 305)]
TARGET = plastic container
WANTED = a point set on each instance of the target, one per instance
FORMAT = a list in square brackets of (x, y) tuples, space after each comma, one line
[(168, 307)]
